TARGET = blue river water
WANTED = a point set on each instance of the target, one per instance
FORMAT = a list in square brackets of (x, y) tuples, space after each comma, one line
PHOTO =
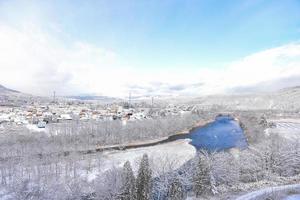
[(221, 134)]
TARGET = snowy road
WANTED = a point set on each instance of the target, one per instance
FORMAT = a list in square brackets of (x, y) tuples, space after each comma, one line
[(293, 197), (267, 191)]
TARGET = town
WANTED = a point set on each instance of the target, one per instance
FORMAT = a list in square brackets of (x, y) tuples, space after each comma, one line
[(40, 114)]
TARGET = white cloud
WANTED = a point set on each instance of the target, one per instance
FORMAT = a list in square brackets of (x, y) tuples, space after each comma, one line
[(268, 65), (35, 61)]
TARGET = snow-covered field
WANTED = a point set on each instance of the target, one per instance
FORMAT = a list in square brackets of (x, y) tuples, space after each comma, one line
[(288, 128), (163, 158)]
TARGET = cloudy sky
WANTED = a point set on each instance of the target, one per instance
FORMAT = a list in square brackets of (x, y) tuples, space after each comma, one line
[(156, 47)]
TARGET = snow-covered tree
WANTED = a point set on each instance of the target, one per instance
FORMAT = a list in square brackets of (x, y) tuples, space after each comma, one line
[(108, 185), (176, 191), (225, 168), (143, 182), (128, 189)]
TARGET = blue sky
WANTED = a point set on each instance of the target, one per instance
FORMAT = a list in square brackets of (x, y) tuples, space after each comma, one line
[(157, 36)]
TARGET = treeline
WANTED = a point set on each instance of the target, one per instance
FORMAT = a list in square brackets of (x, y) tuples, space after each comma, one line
[(19, 143)]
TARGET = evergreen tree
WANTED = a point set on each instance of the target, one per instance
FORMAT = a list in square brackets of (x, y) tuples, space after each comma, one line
[(143, 182), (176, 191), (128, 189)]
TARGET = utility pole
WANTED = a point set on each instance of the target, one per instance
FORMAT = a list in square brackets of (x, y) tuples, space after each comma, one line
[(152, 100), (53, 96), (129, 100)]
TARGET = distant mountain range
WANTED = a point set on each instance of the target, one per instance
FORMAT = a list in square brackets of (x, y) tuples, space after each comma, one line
[(13, 97), (284, 99), (94, 98)]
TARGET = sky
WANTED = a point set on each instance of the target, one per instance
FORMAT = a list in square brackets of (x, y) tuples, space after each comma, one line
[(149, 47)]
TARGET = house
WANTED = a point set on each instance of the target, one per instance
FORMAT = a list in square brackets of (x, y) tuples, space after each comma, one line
[(4, 118), (65, 117)]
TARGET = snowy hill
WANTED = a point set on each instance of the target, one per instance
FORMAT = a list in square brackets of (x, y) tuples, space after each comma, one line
[(7, 90), (10, 97), (284, 99)]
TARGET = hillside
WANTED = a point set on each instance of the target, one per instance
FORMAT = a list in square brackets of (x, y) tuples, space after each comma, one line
[(11, 97), (284, 99), (7, 90)]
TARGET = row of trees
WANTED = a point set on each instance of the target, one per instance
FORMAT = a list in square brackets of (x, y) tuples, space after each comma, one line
[(20, 143)]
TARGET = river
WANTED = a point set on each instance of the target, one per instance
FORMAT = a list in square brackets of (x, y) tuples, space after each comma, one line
[(221, 134)]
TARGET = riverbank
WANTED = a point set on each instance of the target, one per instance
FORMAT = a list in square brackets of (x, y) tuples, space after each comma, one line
[(180, 135)]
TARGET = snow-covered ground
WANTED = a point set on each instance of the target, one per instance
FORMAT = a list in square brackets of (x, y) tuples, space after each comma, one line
[(288, 128), (269, 191), (163, 158)]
